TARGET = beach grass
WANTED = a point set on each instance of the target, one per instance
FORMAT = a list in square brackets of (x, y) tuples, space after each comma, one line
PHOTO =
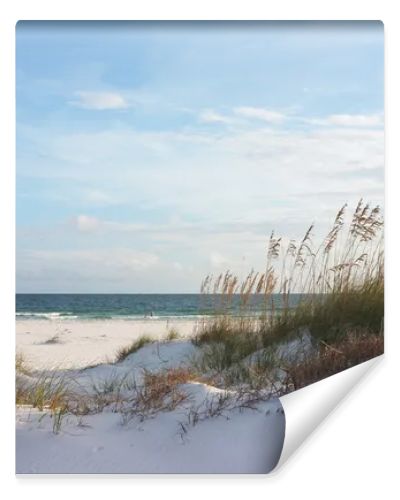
[(137, 344), (55, 339), (21, 365), (355, 348), (172, 334), (48, 390), (339, 282), (159, 391)]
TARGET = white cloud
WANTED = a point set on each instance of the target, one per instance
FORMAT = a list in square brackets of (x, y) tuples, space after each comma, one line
[(347, 120), (121, 258), (356, 120), (218, 260), (196, 197), (219, 175), (108, 264), (260, 114), (93, 270), (86, 224), (178, 266), (210, 116), (98, 197), (100, 100)]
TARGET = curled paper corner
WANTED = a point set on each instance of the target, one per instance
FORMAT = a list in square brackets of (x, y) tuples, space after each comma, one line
[(305, 409)]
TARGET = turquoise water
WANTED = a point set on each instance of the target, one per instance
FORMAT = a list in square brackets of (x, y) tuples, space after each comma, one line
[(126, 306)]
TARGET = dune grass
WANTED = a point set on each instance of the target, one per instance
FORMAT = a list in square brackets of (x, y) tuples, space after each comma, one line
[(137, 344), (143, 340), (21, 365), (172, 334), (55, 339), (47, 390), (159, 391), (356, 347), (340, 282)]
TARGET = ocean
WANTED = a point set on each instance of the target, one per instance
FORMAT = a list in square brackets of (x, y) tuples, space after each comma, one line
[(128, 306)]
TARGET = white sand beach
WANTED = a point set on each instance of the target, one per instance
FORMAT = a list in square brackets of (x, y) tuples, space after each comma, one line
[(211, 431), (78, 343)]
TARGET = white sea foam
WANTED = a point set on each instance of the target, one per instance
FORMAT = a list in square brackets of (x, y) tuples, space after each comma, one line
[(50, 316), (83, 317)]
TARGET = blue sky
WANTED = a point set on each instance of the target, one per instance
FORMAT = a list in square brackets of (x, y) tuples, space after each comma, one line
[(149, 154)]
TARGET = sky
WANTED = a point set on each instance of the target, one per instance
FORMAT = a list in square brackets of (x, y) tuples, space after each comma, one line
[(150, 154)]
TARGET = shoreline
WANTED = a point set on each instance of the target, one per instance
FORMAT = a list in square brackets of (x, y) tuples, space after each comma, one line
[(54, 316)]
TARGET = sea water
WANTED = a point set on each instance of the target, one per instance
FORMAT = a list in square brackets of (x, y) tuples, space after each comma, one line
[(135, 306)]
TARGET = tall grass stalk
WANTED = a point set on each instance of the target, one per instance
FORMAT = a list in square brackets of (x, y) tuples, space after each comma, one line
[(339, 281)]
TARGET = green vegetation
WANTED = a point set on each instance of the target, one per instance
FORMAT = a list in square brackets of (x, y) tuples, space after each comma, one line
[(172, 334), (21, 365), (341, 282), (134, 347), (356, 347)]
